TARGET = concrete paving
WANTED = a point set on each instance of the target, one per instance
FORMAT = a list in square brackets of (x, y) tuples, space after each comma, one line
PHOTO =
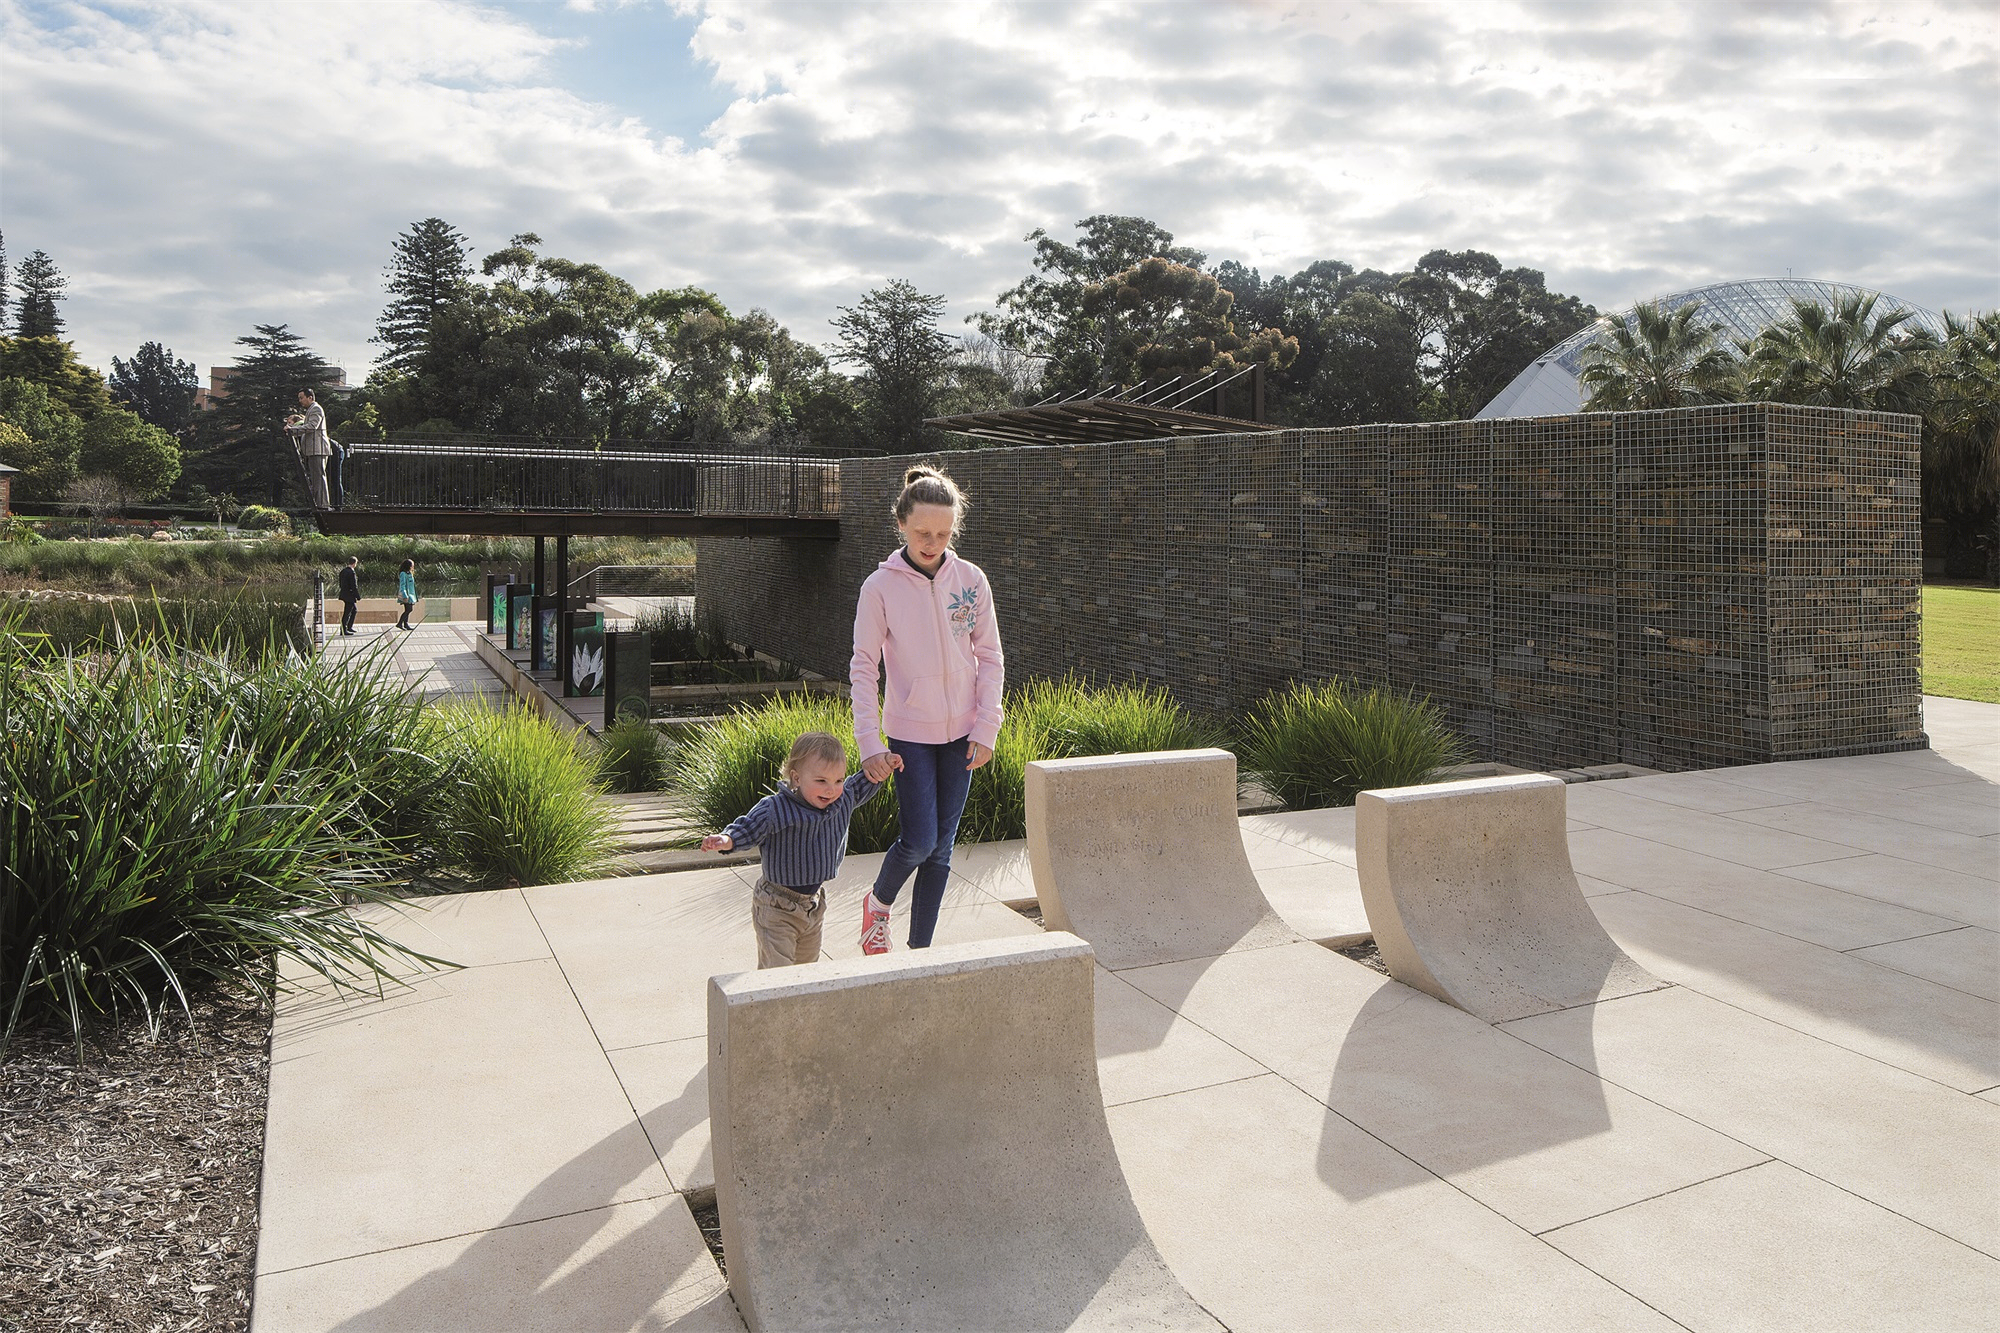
[(1801, 1131), (436, 659)]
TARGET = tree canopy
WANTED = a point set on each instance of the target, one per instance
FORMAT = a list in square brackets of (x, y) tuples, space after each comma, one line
[(157, 386)]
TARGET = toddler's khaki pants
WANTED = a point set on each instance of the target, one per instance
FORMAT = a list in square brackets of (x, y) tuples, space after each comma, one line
[(787, 924)]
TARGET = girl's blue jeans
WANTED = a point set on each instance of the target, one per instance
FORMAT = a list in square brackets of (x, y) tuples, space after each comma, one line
[(930, 797)]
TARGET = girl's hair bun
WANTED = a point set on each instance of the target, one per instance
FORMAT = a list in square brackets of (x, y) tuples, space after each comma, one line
[(919, 472)]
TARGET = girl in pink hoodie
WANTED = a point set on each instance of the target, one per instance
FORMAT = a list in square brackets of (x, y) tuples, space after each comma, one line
[(927, 617)]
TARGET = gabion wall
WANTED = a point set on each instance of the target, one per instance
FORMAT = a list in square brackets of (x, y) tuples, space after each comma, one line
[(1679, 589)]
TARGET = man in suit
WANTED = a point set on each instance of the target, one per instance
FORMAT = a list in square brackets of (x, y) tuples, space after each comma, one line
[(308, 430), (350, 593)]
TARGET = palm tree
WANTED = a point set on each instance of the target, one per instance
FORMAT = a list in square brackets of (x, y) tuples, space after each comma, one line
[(1961, 443), (1657, 359), (1844, 357)]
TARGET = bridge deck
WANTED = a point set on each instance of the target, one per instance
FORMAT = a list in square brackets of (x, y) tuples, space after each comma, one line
[(477, 489)]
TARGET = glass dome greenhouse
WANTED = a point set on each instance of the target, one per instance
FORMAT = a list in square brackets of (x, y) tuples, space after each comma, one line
[(1549, 386)]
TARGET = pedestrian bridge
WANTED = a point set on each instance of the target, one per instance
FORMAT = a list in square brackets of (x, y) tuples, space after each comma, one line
[(537, 489)]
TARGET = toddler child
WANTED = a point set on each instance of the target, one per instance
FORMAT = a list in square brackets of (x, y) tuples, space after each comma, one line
[(802, 829)]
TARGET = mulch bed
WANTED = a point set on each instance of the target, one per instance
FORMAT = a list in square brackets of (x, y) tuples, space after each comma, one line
[(128, 1183)]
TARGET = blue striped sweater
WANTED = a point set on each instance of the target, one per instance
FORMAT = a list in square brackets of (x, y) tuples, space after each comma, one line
[(802, 846)]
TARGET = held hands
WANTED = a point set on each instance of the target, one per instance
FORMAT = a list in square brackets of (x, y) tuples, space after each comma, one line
[(718, 842), (976, 754), (877, 767)]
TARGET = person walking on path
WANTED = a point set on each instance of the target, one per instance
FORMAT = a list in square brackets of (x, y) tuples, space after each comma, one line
[(802, 828), (927, 617), (406, 592), (308, 430), (350, 593)]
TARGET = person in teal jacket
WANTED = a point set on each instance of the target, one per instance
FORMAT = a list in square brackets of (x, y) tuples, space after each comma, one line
[(406, 592)]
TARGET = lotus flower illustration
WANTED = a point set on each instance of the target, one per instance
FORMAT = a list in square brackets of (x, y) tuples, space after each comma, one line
[(586, 668)]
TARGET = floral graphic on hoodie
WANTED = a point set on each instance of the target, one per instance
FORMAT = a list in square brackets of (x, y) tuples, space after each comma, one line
[(963, 611)]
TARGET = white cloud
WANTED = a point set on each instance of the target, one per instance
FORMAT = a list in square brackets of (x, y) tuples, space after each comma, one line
[(200, 167)]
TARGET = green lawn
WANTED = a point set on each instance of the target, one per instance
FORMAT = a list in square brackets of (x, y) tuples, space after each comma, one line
[(1962, 642)]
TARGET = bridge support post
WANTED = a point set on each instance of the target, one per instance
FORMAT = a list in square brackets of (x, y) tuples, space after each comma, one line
[(563, 605)]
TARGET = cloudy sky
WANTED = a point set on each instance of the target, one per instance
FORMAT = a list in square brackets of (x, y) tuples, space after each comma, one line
[(197, 167)]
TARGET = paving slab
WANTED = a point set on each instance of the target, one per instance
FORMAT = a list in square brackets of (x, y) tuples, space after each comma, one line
[(470, 929), (472, 1100), (1773, 1248), (1709, 791), (1904, 1142), (1278, 1215), (1971, 899), (999, 870), (1774, 900), (1867, 831), (1899, 1019), (667, 1084), (1966, 959), (637, 1265), (639, 951), (1327, 833), (1320, 900), (1146, 1050), (1728, 837), (1536, 1139)]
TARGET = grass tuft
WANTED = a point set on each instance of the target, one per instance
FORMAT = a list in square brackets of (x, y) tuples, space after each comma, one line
[(1317, 745), (525, 807)]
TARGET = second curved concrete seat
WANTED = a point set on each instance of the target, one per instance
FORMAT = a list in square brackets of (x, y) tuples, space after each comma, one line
[(1141, 855), (918, 1142), (1471, 896)]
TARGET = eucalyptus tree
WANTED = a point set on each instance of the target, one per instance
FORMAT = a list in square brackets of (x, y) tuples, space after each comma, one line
[(1658, 358), (891, 335), (1043, 315)]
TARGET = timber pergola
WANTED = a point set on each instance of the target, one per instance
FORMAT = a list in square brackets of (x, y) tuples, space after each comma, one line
[(1150, 411)]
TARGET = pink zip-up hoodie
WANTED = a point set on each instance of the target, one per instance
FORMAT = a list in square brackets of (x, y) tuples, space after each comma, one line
[(939, 644)]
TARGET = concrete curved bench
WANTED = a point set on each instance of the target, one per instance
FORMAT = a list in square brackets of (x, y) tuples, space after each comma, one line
[(918, 1142), (1471, 896), (1141, 855)]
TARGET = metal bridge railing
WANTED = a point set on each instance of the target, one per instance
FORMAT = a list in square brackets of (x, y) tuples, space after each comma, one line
[(525, 479)]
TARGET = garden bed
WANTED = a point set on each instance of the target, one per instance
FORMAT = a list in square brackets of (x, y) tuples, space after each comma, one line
[(128, 1183)]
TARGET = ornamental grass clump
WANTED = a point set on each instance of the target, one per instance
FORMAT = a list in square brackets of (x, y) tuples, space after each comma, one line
[(1318, 744), (729, 765), (170, 821), (632, 757), (525, 807)]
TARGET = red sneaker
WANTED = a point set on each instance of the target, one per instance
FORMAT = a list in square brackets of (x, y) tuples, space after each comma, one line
[(874, 925)]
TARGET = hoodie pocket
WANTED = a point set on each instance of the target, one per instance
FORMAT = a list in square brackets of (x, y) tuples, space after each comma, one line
[(925, 700)]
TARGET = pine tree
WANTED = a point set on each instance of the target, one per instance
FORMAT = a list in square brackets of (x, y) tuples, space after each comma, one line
[(248, 451), (429, 268), (42, 286)]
